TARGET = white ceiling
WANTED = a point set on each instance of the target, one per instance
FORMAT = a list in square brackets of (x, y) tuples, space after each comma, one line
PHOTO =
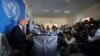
[(46, 8)]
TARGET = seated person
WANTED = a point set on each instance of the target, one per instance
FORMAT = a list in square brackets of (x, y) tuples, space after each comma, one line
[(71, 42)]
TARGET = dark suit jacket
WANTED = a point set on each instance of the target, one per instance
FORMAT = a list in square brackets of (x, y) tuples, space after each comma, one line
[(18, 36), (19, 41)]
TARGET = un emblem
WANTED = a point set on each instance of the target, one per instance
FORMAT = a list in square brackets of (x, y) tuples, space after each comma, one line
[(11, 8)]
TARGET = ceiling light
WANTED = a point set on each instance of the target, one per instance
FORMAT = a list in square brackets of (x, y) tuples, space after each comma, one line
[(66, 11), (56, 11)]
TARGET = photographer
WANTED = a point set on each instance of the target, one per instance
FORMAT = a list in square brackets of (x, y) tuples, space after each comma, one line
[(94, 40), (81, 37)]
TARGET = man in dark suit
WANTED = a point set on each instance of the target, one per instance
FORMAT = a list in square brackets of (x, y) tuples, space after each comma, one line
[(19, 39)]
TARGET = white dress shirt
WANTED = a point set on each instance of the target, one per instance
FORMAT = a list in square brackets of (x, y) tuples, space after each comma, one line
[(20, 27), (95, 37), (72, 40)]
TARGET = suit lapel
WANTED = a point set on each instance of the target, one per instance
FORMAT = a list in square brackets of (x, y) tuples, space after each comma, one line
[(20, 29)]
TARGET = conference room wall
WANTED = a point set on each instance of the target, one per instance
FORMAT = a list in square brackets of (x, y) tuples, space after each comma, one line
[(58, 21), (70, 20), (93, 11)]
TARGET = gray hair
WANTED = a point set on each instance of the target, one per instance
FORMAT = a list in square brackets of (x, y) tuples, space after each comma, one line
[(19, 20)]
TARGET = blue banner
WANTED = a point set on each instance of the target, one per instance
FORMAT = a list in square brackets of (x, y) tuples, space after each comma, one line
[(10, 12)]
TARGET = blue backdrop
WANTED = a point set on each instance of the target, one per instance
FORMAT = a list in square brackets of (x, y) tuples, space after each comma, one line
[(10, 12)]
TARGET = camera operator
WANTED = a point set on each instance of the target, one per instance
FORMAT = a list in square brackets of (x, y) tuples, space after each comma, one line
[(94, 40), (93, 22), (81, 37)]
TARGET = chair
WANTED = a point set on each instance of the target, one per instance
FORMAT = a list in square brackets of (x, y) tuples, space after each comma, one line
[(4, 45), (7, 49)]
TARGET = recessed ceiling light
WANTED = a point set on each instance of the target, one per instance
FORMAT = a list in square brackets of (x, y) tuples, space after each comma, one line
[(45, 10), (66, 11), (56, 10)]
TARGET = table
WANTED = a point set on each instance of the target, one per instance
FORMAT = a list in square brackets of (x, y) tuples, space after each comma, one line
[(45, 45)]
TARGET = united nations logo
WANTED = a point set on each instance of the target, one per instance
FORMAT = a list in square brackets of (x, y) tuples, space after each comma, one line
[(11, 8)]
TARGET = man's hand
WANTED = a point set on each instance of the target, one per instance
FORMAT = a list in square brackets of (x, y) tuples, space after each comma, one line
[(29, 37)]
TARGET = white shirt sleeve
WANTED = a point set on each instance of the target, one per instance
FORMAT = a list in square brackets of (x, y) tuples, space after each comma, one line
[(70, 41), (95, 37)]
